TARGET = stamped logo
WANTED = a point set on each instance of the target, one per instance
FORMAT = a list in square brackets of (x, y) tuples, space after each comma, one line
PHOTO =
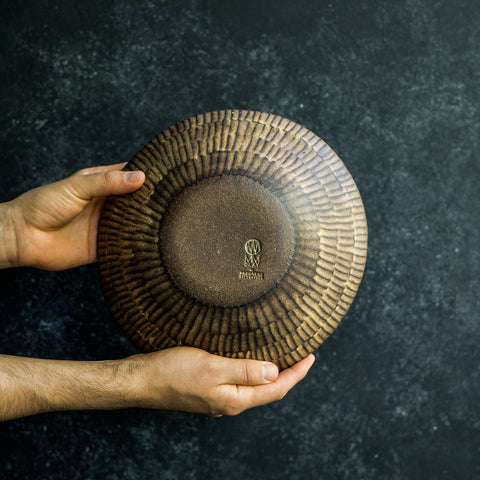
[(252, 253), (253, 249)]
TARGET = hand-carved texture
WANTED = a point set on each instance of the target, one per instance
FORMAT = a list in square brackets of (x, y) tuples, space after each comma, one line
[(304, 304)]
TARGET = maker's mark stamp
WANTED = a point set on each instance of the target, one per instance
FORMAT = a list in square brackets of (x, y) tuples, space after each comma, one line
[(252, 253), (253, 249)]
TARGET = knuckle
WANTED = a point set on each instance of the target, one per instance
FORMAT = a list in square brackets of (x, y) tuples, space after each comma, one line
[(209, 368), (73, 190), (231, 410), (83, 171), (228, 403), (108, 176), (215, 414), (280, 395), (246, 373)]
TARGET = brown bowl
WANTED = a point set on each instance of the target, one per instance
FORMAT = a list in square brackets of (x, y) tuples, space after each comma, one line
[(248, 239)]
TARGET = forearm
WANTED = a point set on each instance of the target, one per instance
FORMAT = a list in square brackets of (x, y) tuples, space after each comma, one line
[(29, 386), (8, 240)]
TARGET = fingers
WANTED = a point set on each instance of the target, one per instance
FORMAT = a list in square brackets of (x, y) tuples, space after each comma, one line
[(192, 380), (103, 183), (247, 372), (102, 168), (291, 376), (249, 397)]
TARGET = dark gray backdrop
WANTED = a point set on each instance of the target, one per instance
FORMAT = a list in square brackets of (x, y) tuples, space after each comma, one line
[(394, 88)]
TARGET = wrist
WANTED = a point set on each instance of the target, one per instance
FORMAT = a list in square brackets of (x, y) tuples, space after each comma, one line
[(134, 380), (8, 236), (145, 381)]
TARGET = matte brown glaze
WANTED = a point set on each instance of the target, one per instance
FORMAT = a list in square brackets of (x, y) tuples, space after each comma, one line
[(248, 239), (226, 240)]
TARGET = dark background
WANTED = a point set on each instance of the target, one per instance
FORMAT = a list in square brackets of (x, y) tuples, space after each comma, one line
[(394, 87)]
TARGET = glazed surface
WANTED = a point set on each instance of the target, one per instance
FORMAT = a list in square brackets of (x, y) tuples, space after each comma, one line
[(260, 177)]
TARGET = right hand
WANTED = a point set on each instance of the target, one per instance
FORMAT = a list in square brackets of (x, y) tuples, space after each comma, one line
[(192, 380)]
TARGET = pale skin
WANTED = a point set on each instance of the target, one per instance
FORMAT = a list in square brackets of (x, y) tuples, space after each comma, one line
[(54, 227)]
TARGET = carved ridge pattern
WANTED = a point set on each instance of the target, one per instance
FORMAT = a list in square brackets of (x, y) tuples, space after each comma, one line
[(287, 322)]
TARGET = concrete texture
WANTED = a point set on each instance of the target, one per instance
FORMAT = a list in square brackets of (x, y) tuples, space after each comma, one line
[(394, 88)]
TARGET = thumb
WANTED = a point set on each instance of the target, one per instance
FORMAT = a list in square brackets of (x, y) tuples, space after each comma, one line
[(86, 187), (249, 372)]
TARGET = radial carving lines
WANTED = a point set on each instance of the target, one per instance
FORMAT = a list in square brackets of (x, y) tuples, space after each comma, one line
[(322, 273)]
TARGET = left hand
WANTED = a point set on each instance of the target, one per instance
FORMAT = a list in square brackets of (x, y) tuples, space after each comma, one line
[(55, 226)]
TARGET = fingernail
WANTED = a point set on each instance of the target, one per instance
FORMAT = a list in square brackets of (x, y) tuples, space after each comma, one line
[(270, 372), (132, 177)]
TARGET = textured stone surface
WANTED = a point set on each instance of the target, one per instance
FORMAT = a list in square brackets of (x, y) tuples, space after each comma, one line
[(394, 88)]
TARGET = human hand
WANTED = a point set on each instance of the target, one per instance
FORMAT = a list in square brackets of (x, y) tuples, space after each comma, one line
[(180, 378), (55, 226), (192, 380)]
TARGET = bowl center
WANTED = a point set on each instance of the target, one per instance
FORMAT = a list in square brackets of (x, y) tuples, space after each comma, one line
[(226, 240)]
